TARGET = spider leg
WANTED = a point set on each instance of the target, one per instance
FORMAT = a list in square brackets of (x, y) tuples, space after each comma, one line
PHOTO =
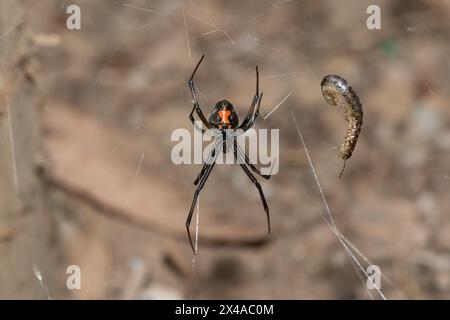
[(200, 175), (258, 186), (252, 115), (207, 168), (208, 161), (196, 106), (191, 117), (247, 160), (254, 108)]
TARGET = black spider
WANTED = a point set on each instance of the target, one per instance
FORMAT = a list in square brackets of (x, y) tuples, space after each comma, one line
[(224, 119)]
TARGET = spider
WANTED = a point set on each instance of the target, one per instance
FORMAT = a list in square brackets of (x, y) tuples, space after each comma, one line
[(224, 119)]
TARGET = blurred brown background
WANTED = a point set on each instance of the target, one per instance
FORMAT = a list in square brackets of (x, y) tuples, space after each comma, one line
[(86, 119)]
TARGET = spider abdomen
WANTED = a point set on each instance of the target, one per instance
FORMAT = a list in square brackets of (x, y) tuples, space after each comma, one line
[(223, 116)]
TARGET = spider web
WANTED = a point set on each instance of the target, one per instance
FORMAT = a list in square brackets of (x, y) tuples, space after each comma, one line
[(351, 250), (346, 244), (215, 31)]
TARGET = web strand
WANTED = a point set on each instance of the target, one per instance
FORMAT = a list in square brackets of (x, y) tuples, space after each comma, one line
[(330, 221)]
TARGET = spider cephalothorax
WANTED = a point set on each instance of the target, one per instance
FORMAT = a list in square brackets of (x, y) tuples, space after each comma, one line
[(223, 116)]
